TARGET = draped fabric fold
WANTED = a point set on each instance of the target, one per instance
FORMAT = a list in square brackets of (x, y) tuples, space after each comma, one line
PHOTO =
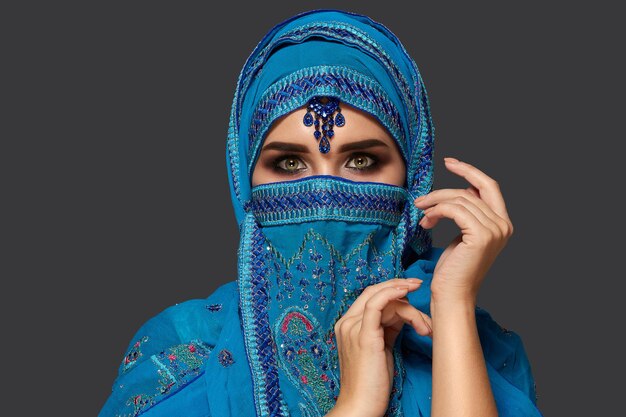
[(263, 345)]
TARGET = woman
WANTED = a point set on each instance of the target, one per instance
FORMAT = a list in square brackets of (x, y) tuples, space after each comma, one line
[(341, 306)]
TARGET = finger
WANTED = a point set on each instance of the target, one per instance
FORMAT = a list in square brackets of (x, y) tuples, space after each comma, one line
[(400, 312), (469, 200), (373, 311), (437, 196), (499, 226), (473, 190), (487, 187), (468, 223), (357, 306), (489, 219)]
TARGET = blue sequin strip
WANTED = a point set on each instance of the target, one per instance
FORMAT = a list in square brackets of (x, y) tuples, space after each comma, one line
[(296, 89), (253, 289), (326, 197)]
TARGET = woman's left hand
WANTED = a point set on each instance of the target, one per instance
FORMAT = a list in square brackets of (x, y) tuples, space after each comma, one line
[(481, 214)]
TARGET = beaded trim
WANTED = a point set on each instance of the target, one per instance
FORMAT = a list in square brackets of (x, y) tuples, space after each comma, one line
[(260, 346), (296, 89), (326, 198)]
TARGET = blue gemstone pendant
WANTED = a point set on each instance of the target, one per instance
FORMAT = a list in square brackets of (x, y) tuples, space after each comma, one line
[(324, 109)]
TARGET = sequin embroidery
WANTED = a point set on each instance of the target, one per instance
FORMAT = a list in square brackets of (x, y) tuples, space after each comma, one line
[(305, 355), (135, 353), (175, 367), (225, 358), (214, 307)]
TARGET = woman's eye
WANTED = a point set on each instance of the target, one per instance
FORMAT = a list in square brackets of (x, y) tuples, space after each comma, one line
[(289, 164), (361, 162)]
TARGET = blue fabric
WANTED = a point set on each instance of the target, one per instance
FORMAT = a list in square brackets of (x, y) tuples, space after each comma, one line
[(263, 345)]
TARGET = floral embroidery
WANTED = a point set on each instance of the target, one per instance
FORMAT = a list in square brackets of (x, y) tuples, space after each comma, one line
[(317, 277), (175, 367), (225, 358), (305, 357), (135, 353)]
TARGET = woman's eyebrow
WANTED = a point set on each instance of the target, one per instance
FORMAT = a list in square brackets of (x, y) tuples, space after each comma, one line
[(352, 146), (363, 144), (286, 146)]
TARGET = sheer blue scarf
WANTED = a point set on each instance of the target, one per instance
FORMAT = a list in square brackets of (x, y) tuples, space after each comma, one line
[(264, 345)]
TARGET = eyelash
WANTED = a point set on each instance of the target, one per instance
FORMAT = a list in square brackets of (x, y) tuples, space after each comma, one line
[(278, 160)]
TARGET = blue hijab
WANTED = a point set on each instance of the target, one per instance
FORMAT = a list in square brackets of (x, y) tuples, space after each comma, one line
[(263, 345)]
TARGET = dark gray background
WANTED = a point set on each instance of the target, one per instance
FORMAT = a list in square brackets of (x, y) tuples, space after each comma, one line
[(118, 203)]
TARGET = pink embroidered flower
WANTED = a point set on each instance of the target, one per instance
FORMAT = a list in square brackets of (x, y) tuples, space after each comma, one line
[(324, 377), (304, 379), (137, 344), (137, 399), (192, 348), (172, 357)]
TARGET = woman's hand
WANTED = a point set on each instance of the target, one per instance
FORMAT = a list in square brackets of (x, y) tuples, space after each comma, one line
[(481, 214), (365, 337)]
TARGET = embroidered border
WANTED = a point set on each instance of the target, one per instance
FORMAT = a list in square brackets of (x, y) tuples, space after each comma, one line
[(348, 34), (323, 198), (257, 335), (297, 88)]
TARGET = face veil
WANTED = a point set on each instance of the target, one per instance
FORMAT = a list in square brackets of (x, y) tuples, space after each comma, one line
[(309, 247)]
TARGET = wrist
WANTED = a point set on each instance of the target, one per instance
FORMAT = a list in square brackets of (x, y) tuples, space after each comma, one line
[(452, 298), (448, 303)]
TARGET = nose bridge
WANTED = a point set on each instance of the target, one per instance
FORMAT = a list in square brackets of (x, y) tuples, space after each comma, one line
[(326, 164)]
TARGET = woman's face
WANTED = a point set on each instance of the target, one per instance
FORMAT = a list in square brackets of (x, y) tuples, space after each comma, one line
[(361, 150)]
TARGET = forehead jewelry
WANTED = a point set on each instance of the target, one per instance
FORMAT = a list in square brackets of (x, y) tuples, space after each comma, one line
[(324, 109)]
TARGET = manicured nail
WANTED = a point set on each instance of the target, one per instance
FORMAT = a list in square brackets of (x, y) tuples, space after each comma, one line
[(451, 160), (414, 280)]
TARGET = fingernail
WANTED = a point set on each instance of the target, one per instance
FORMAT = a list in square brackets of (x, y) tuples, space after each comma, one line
[(451, 160), (420, 198), (402, 287), (414, 280)]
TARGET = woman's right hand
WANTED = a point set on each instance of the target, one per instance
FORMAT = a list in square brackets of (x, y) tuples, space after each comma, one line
[(365, 338)]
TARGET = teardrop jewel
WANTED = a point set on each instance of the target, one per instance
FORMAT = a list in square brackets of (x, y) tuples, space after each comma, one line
[(324, 108)]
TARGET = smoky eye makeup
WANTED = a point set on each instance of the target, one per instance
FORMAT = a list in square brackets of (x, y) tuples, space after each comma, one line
[(280, 165), (373, 162), (290, 164)]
